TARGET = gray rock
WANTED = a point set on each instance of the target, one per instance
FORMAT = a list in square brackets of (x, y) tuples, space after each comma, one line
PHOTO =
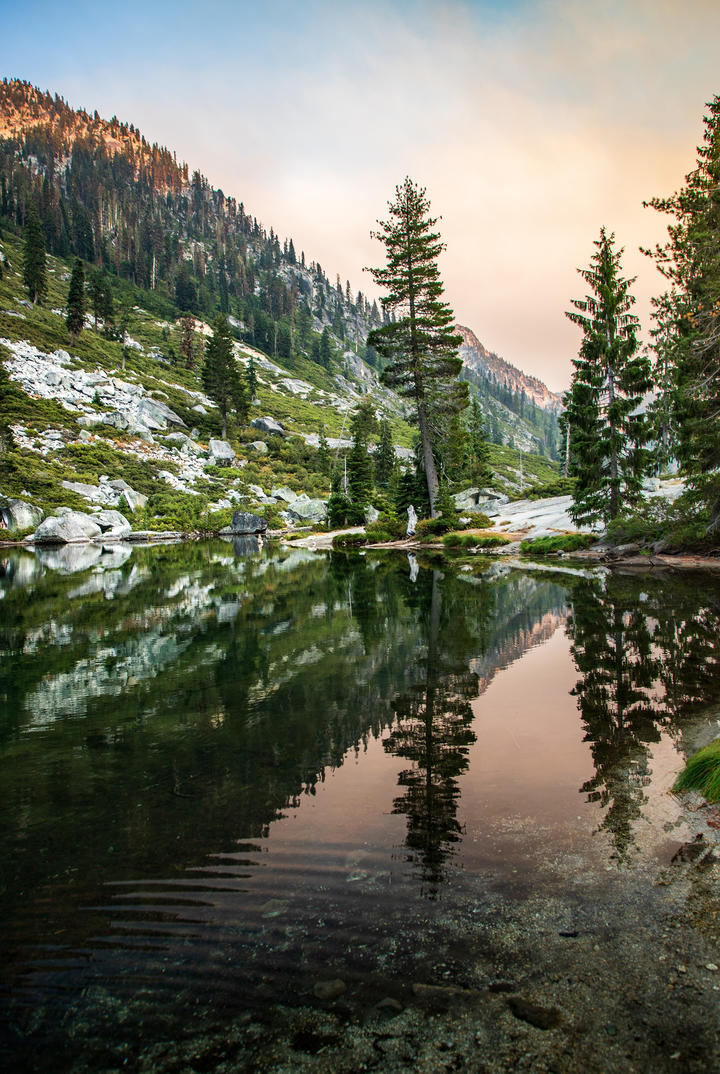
[(66, 528), (221, 453), (112, 523), (268, 425), (246, 522), (94, 493), (259, 446), (476, 499), (133, 499), (372, 514), (303, 509), (154, 414), (255, 490), (119, 485), (412, 521), (284, 493), (16, 515)]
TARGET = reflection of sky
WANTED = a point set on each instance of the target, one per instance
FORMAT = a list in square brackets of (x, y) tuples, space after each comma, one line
[(531, 124)]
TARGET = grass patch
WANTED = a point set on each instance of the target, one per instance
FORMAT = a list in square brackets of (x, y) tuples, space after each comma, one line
[(564, 542), (702, 773)]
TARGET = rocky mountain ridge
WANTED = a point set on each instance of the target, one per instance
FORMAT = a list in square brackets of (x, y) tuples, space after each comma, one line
[(478, 359)]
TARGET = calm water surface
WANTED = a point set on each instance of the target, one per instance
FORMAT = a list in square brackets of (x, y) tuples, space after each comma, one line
[(227, 773)]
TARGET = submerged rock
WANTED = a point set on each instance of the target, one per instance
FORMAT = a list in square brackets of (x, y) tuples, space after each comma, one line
[(533, 1014), (329, 990)]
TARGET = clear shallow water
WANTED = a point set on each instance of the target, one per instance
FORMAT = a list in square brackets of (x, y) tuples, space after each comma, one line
[(227, 774)]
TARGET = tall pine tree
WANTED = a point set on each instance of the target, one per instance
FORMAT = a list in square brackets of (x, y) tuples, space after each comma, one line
[(76, 301), (688, 316), (419, 341), (221, 377), (34, 272), (607, 432)]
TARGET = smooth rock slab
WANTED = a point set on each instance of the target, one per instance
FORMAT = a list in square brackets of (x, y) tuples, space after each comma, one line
[(66, 528)]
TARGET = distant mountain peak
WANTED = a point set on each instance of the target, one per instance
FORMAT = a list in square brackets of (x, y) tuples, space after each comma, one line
[(478, 359)]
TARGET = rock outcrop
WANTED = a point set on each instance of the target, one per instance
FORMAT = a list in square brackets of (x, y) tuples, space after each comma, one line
[(16, 515)]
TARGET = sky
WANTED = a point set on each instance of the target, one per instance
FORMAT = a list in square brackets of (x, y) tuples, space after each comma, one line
[(531, 124)]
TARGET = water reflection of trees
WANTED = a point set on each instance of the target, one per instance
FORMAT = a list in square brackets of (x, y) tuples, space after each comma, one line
[(647, 657), (433, 717)]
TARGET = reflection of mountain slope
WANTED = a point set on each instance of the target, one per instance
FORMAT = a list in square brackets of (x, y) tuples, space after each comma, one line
[(527, 614)]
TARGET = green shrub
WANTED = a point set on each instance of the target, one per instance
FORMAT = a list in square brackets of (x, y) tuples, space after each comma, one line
[(565, 542), (476, 520), (457, 541), (345, 542), (561, 486), (432, 527), (386, 528), (682, 526), (702, 773)]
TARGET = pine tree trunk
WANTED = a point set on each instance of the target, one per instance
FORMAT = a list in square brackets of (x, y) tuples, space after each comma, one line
[(428, 458), (614, 485), (224, 425)]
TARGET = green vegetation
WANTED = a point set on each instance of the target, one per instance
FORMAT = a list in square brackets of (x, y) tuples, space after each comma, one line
[(419, 344), (702, 773), (459, 541), (687, 335), (565, 542), (607, 431)]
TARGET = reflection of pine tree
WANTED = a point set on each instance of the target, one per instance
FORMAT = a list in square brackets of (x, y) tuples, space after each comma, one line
[(686, 636), (434, 733), (612, 647)]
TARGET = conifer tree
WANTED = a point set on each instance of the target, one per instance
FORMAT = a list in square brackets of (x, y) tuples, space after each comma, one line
[(418, 338), (75, 318), (607, 433), (34, 272), (323, 452), (359, 463), (479, 449), (251, 378), (6, 437), (690, 260), (221, 377), (385, 461), (188, 347)]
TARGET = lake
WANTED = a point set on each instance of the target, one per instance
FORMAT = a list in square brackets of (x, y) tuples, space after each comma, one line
[(265, 809)]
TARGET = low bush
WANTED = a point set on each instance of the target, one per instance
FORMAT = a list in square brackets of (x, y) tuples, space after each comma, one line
[(386, 528), (565, 542), (432, 527), (458, 541), (346, 542), (476, 520)]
